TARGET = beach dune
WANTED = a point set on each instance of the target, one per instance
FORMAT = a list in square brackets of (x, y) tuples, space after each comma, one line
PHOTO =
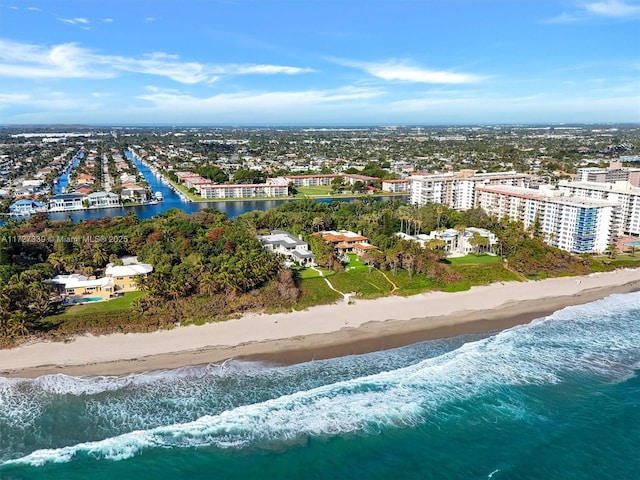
[(319, 332)]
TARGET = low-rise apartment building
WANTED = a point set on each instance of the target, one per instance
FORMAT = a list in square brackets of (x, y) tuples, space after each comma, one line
[(396, 186), (244, 191)]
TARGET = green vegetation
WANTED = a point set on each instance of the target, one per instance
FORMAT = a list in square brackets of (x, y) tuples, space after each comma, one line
[(363, 283), (622, 260), (474, 259), (117, 304), (313, 191), (484, 274), (315, 291), (191, 195), (208, 267)]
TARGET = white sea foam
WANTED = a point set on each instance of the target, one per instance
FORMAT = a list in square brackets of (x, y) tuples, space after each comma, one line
[(598, 339)]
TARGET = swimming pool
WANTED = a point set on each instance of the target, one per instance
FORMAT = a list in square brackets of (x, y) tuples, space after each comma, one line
[(634, 244), (85, 300)]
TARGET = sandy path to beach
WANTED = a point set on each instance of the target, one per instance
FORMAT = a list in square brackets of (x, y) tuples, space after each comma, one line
[(320, 331)]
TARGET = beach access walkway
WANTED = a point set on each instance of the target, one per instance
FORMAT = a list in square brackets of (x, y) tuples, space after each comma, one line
[(344, 295)]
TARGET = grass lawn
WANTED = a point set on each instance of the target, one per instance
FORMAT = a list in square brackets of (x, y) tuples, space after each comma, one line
[(363, 283), (96, 315), (355, 263), (192, 196), (474, 259), (604, 263), (484, 274), (412, 286), (313, 191), (89, 309), (315, 291), (310, 273)]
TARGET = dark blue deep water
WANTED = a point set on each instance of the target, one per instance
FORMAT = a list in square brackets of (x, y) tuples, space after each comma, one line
[(556, 399)]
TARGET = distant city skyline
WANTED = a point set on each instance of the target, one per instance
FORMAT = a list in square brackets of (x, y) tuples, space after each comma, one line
[(319, 62)]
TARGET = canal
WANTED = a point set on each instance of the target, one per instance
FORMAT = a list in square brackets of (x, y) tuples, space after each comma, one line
[(232, 208), (63, 180)]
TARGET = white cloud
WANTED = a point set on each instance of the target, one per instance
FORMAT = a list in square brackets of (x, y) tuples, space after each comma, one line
[(75, 21), (48, 102), (163, 65), (404, 72), (565, 18), (604, 8), (69, 60), (13, 99), (612, 8), (473, 108), (66, 60), (263, 70), (249, 102)]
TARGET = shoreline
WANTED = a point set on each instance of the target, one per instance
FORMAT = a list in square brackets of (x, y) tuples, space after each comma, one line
[(319, 332)]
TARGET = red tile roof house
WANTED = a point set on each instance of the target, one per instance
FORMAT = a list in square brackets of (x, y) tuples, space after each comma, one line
[(345, 241)]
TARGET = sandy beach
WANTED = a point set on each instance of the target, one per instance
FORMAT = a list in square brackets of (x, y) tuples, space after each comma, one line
[(319, 332)]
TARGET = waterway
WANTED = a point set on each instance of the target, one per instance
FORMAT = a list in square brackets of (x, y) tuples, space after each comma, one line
[(232, 208), (63, 180)]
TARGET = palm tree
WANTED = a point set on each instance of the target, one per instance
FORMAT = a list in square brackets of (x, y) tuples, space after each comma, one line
[(18, 325), (56, 261), (100, 257), (318, 222)]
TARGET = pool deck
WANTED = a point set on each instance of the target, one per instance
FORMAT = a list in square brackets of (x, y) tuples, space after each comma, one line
[(625, 243)]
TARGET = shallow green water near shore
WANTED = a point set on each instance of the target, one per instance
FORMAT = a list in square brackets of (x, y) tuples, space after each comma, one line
[(555, 399)]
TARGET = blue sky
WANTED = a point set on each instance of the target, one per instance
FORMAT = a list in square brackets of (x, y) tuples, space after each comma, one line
[(319, 62)]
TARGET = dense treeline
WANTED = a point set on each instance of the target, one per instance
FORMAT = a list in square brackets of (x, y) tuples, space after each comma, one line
[(207, 266)]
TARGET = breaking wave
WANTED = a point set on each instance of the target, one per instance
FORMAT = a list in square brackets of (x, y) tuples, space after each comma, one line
[(601, 339)]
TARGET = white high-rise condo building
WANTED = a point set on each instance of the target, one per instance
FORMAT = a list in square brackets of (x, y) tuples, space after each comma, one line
[(579, 225), (625, 195), (458, 190)]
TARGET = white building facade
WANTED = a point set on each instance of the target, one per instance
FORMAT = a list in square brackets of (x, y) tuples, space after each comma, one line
[(244, 191), (284, 243), (625, 195), (458, 190), (578, 225)]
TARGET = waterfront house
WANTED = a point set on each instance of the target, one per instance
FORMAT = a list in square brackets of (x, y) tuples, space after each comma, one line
[(133, 192), (103, 199), (345, 242), (125, 276), (26, 207), (457, 242), (66, 202), (76, 288), (284, 243)]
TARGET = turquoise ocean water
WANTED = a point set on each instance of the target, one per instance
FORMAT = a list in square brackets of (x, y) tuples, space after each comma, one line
[(556, 399)]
